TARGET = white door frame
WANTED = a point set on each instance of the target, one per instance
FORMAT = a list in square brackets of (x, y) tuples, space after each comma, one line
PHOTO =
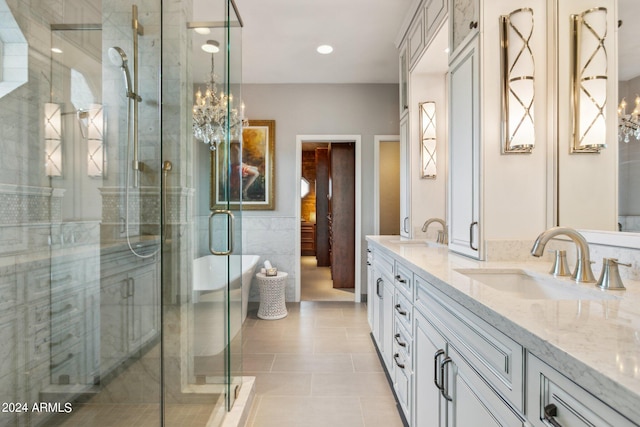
[(357, 140), (377, 140)]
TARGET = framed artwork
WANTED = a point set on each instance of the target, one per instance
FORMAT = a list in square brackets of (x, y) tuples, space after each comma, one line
[(245, 170)]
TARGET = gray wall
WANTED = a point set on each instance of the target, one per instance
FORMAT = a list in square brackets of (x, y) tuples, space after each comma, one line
[(307, 109)]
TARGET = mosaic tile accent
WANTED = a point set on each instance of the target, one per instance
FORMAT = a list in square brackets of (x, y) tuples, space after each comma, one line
[(24, 204)]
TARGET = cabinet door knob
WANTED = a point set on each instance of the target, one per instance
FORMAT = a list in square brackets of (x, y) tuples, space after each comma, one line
[(473, 24), (550, 411)]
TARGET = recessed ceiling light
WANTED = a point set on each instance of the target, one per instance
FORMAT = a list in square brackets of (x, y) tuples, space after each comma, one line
[(325, 49), (211, 46), (202, 30), (56, 50)]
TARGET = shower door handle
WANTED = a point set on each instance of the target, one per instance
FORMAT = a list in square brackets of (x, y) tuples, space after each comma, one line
[(230, 231)]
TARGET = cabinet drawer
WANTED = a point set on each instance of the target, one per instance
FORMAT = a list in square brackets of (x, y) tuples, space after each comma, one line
[(402, 381), (403, 344), (574, 406), (404, 280), (383, 264), (65, 337), (498, 358), (67, 366), (403, 310)]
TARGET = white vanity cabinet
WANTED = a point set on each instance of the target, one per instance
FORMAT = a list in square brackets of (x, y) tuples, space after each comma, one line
[(553, 399), (402, 372), (454, 364), (129, 299), (468, 372), (405, 178), (464, 147), (382, 304), (447, 366)]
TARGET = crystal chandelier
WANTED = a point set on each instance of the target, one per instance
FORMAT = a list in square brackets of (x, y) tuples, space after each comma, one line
[(629, 124), (213, 113)]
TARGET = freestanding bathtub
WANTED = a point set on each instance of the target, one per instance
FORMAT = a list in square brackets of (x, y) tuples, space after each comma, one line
[(210, 274), (218, 316)]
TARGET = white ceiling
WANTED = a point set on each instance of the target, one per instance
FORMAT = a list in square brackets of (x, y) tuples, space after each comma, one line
[(280, 37)]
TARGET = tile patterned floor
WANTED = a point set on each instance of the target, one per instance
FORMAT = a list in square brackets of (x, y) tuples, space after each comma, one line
[(316, 367), (316, 284)]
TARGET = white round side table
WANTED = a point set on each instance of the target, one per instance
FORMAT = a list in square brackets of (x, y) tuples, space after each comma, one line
[(272, 296)]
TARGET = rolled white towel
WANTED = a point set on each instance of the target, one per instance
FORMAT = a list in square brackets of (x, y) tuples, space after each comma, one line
[(267, 264)]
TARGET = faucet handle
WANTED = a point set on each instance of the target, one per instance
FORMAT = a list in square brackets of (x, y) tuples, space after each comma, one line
[(610, 276), (560, 266)]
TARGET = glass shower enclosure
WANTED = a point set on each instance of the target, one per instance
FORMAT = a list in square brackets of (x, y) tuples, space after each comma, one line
[(105, 212)]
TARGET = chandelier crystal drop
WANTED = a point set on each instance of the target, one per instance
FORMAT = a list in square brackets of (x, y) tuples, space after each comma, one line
[(629, 124), (214, 115)]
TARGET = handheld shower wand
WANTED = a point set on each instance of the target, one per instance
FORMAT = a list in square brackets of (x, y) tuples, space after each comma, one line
[(119, 59)]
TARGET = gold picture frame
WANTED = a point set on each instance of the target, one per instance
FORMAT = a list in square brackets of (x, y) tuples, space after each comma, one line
[(248, 177)]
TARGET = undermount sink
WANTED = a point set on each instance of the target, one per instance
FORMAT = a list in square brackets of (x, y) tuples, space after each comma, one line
[(416, 242), (529, 285)]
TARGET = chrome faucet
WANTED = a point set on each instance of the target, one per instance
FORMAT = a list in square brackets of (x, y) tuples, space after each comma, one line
[(442, 235), (582, 273)]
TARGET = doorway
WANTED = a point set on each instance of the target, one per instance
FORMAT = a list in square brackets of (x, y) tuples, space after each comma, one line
[(387, 185), (316, 279)]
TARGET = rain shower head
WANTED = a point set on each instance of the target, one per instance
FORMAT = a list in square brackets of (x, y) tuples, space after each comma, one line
[(119, 59)]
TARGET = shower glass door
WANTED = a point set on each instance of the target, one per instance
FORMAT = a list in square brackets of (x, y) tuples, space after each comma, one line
[(215, 326), (104, 207)]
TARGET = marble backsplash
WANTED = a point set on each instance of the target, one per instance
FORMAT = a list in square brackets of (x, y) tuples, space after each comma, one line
[(520, 251)]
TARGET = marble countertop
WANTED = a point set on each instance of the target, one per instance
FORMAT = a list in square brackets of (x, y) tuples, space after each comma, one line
[(593, 341)]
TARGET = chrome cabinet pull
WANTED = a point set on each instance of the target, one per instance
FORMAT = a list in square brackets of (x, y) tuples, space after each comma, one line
[(471, 235), (473, 24), (378, 287), (400, 279), (404, 223), (444, 375), (550, 411), (436, 357), (395, 359), (401, 312), (230, 232), (400, 343)]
